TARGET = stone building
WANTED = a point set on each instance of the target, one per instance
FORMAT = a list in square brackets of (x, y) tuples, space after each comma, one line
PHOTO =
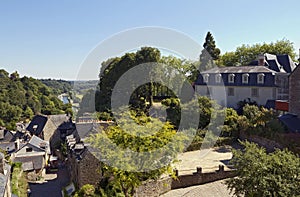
[(294, 89), (46, 127)]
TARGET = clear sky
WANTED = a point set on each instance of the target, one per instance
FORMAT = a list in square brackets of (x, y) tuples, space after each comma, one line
[(50, 39)]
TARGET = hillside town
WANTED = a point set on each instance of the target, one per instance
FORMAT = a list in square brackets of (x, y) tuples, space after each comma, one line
[(50, 145), (149, 98)]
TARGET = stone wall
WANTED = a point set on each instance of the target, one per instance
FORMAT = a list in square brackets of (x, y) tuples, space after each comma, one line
[(154, 188), (86, 170), (161, 186), (199, 178), (294, 92), (270, 145)]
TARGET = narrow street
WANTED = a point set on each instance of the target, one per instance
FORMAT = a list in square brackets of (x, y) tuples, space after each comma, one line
[(53, 187)]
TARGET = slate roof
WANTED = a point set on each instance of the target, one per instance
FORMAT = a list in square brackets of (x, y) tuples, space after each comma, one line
[(38, 120), (37, 161), (8, 146), (27, 166), (39, 143), (58, 119), (240, 69), (6, 135), (85, 129), (4, 178), (291, 121), (278, 63)]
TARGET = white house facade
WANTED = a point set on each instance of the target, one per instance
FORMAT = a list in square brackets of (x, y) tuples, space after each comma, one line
[(264, 81)]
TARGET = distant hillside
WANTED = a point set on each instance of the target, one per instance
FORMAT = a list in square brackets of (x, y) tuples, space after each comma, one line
[(81, 87), (58, 86), (21, 98)]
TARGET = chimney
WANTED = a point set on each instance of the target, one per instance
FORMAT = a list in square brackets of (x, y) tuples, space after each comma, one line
[(17, 144), (261, 60), (1, 163)]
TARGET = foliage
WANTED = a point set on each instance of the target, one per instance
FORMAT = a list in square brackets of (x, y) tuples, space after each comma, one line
[(241, 104), (18, 180), (145, 137), (261, 121), (244, 54), (209, 53), (21, 98), (262, 174), (171, 68), (86, 191), (58, 86)]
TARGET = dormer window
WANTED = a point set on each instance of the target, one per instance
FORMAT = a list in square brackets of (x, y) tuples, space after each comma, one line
[(205, 78), (245, 78), (218, 78), (260, 78), (231, 78)]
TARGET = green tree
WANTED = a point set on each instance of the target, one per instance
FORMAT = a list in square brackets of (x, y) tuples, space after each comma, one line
[(209, 53), (21, 98), (86, 191), (262, 174), (145, 136), (244, 54)]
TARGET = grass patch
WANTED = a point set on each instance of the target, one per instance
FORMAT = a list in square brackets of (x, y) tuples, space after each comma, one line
[(18, 180)]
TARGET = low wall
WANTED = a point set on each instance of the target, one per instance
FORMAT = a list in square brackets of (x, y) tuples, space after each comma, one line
[(199, 178), (156, 188)]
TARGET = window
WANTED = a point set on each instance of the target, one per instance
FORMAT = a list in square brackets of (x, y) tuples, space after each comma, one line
[(231, 78), (260, 78), (218, 78), (205, 78), (245, 78), (230, 91), (254, 92), (28, 149)]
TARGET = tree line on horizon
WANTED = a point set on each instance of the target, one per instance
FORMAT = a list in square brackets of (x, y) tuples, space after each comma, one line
[(23, 97)]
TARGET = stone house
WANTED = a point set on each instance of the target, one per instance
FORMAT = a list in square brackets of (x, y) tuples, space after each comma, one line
[(46, 127), (33, 155), (263, 80), (83, 166)]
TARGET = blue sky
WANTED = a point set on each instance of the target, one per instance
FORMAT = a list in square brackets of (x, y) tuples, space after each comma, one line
[(50, 39)]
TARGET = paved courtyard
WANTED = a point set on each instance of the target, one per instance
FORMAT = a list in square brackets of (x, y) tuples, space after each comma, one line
[(208, 160)]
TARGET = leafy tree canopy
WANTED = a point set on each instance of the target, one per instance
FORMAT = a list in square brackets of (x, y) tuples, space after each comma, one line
[(148, 138), (21, 98), (262, 174), (244, 54)]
